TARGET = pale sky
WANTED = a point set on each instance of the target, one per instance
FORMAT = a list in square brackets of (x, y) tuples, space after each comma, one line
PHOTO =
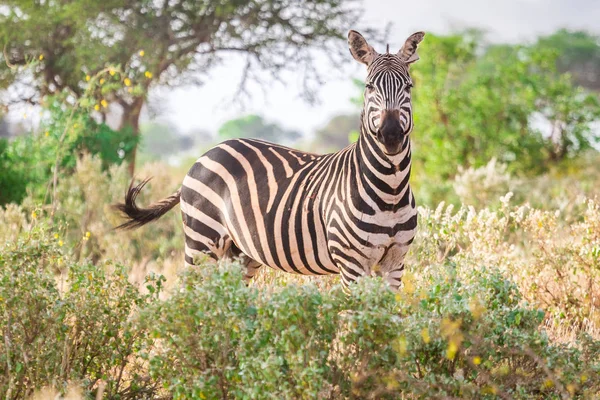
[(206, 107)]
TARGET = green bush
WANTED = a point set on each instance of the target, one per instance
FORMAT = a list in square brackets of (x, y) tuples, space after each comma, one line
[(65, 322), (452, 331), (27, 162), (444, 336)]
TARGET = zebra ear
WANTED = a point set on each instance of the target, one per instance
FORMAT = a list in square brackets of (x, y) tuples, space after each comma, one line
[(408, 52), (360, 49)]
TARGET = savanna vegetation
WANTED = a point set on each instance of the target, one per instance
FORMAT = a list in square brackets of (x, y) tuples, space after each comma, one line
[(502, 294)]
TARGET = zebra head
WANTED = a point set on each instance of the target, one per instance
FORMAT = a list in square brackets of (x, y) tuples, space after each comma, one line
[(387, 112)]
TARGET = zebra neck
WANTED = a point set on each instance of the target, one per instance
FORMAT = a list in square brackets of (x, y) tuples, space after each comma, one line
[(389, 174)]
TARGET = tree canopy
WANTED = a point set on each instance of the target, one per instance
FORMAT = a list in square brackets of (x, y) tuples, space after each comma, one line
[(50, 47), (336, 134), (473, 103), (578, 53)]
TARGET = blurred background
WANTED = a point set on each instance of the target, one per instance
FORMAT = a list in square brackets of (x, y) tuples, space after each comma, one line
[(516, 85)]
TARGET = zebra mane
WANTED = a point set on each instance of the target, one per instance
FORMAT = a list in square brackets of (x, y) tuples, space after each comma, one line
[(387, 49)]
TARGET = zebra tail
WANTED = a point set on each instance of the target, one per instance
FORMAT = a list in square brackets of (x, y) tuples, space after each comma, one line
[(136, 216)]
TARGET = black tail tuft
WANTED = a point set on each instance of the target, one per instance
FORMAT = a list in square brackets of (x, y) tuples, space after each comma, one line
[(141, 216)]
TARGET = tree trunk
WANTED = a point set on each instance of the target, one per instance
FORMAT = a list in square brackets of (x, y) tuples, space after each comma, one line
[(131, 118)]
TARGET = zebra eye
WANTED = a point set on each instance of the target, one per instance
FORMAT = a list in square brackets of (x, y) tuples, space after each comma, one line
[(369, 86)]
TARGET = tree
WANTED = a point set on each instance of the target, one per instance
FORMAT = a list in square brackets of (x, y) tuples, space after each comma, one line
[(254, 126), (473, 103), (578, 53), (337, 134), (64, 44), (162, 140)]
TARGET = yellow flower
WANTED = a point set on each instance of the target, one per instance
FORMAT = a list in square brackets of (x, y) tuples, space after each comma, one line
[(425, 335), (476, 308), (476, 360), (141, 53), (102, 81), (41, 57), (104, 103), (148, 74), (56, 236), (60, 243), (400, 345), (46, 133), (33, 215), (88, 234), (583, 378), (548, 384), (450, 328), (87, 78), (75, 126), (111, 72), (97, 107), (489, 390), (127, 82), (451, 350), (408, 281)]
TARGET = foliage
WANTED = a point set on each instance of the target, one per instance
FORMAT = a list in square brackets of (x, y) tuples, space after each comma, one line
[(68, 322), (83, 212), (339, 132), (28, 161), (471, 108), (161, 42), (578, 54), (254, 126), (84, 134), (496, 301), (448, 336), (552, 256), (499, 299), (483, 186), (162, 39)]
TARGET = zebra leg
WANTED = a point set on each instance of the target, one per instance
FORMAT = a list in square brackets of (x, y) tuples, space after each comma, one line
[(249, 265), (394, 277), (392, 265)]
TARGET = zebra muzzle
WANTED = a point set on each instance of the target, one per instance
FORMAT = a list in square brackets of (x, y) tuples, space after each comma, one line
[(390, 134)]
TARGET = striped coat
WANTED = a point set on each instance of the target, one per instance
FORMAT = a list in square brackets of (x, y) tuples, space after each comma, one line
[(350, 212)]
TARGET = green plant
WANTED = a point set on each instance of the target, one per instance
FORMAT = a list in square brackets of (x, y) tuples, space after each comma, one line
[(445, 335), (67, 322)]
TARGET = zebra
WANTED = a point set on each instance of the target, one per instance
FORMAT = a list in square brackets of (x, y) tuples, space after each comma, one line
[(351, 212)]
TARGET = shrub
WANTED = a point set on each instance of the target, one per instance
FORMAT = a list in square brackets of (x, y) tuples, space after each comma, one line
[(555, 263), (67, 322), (444, 335), (67, 132), (482, 187)]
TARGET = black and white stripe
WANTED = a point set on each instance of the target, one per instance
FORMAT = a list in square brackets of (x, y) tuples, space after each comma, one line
[(350, 212)]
